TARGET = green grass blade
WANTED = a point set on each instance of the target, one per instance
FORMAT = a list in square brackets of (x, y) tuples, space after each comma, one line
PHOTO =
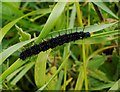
[(98, 51), (14, 73), (101, 38), (22, 73), (40, 69), (80, 79), (58, 83), (95, 28), (105, 8), (85, 66), (79, 13), (61, 66), (115, 86), (96, 61), (11, 69), (103, 86), (55, 14), (97, 74), (72, 18), (65, 53), (91, 28), (7, 27), (6, 53)]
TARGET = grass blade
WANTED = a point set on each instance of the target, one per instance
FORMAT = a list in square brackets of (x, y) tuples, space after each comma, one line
[(57, 11), (105, 8), (61, 66), (11, 69), (40, 69), (22, 73), (6, 53), (115, 86)]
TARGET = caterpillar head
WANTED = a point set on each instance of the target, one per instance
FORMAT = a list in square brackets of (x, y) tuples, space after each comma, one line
[(87, 34)]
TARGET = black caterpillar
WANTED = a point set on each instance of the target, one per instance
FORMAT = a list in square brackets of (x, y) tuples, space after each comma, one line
[(52, 43)]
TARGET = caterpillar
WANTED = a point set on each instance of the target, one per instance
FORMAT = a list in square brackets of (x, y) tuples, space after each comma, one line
[(52, 43)]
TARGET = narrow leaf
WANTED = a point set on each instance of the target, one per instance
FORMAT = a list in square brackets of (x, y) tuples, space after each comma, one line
[(55, 14), (6, 53), (105, 8)]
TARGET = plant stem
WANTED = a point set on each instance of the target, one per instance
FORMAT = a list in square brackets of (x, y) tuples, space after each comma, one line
[(89, 6), (79, 14), (84, 67)]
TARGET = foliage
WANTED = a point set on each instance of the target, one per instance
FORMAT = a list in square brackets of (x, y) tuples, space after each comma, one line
[(89, 64)]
